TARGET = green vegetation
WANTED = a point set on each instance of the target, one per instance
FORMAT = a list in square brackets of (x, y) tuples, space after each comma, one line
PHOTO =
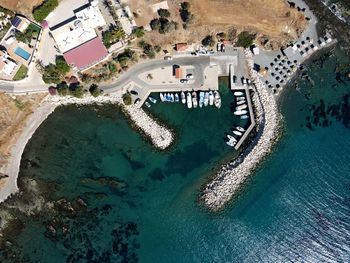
[(42, 11), (73, 90), (21, 73), (54, 73), (125, 57), (127, 98), (163, 13), (113, 35), (208, 41), (95, 90), (148, 49), (31, 32), (138, 31), (19, 104), (245, 39), (185, 14)]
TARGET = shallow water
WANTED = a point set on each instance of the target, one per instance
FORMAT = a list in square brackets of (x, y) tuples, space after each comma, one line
[(142, 204)]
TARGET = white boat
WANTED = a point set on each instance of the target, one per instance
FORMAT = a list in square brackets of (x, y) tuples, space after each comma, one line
[(201, 99), (243, 117), (231, 138), (241, 102), (161, 96), (177, 97), (168, 97), (238, 93), (240, 98), (172, 97), (217, 99), (189, 100), (206, 99), (153, 100), (183, 97), (211, 98), (231, 143), (240, 112), (147, 104), (241, 107), (194, 99), (239, 128), (238, 133)]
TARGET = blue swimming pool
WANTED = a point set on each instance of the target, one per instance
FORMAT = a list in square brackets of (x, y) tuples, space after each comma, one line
[(22, 53)]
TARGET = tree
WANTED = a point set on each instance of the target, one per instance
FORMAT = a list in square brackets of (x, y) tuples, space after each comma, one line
[(51, 75), (94, 90), (113, 35), (41, 12), (21, 37), (62, 89), (77, 91), (185, 6), (62, 65), (163, 13), (155, 24), (245, 39), (138, 31), (127, 98), (208, 41)]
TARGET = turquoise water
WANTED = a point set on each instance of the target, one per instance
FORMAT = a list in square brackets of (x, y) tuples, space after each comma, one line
[(141, 204), (22, 53)]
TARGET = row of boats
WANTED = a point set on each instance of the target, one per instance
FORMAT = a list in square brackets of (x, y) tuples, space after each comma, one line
[(193, 99), (232, 141), (242, 107)]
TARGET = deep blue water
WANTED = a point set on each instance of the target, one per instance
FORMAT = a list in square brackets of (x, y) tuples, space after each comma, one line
[(142, 204)]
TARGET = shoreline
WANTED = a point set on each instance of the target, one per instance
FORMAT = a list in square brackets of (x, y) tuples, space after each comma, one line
[(230, 177), (159, 135)]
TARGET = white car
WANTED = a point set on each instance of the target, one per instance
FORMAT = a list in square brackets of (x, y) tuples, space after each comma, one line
[(189, 76), (168, 58)]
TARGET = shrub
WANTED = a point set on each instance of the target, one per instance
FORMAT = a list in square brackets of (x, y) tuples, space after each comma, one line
[(62, 65), (208, 41), (77, 91), (94, 90), (138, 31), (185, 14), (164, 13), (185, 6), (62, 89), (245, 39), (42, 11), (111, 36), (127, 98), (155, 24)]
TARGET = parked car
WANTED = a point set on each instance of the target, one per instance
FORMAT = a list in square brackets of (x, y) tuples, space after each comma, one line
[(234, 78), (168, 58), (137, 101), (189, 76), (184, 80), (134, 92), (194, 53)]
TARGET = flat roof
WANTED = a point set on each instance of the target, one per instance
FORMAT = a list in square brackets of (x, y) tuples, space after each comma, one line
[(86, 54)]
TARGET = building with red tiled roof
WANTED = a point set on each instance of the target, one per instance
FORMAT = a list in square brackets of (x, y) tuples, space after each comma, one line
[(87, 54), (181, 47)]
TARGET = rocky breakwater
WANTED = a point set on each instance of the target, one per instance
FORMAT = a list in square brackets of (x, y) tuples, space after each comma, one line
[(230, 177)]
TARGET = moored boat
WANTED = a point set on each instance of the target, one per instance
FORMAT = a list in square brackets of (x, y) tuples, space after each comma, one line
[(241, 107), (211, 98), (239, 128), (240, 112), (201, 99), (177, 97), (183, 97), (194, 99), (172, 99), (240, 98), (238, 133), (241, 102), (231, 138), (206, 99), (153, 100), (238, 93), (147, 104), (243, 117), (217, 99), (161, 96), (231, 143), (189, 100)]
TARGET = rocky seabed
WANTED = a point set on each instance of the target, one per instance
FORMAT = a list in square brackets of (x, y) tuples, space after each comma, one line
[(160, 136), (228, 180)]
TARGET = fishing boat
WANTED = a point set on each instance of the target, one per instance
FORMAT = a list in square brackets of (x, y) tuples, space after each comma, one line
[(217, 99), (161, 96), (211, 98), (194, 99), (238, 93), (241, 107), (177, 97), (238, 133), (183, 97), (201, 99), (240, 98), (240, 112), (189, 100), (243, 117), (147, 104), (231, 138), (239, 128), (231, 143), (153, 100), (206, 99), (241, 102)]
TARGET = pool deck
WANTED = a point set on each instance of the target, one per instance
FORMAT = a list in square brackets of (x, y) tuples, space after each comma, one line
[(245, 89)]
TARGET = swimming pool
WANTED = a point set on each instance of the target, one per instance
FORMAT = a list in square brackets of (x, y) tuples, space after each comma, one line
[(22, 53)]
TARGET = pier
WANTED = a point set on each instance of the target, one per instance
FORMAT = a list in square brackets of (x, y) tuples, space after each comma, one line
[(244, 88)]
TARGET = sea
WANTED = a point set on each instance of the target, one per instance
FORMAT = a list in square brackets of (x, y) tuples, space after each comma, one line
[(92, 189)]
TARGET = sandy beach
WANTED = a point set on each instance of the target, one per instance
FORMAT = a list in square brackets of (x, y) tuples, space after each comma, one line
[(159, 135)]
